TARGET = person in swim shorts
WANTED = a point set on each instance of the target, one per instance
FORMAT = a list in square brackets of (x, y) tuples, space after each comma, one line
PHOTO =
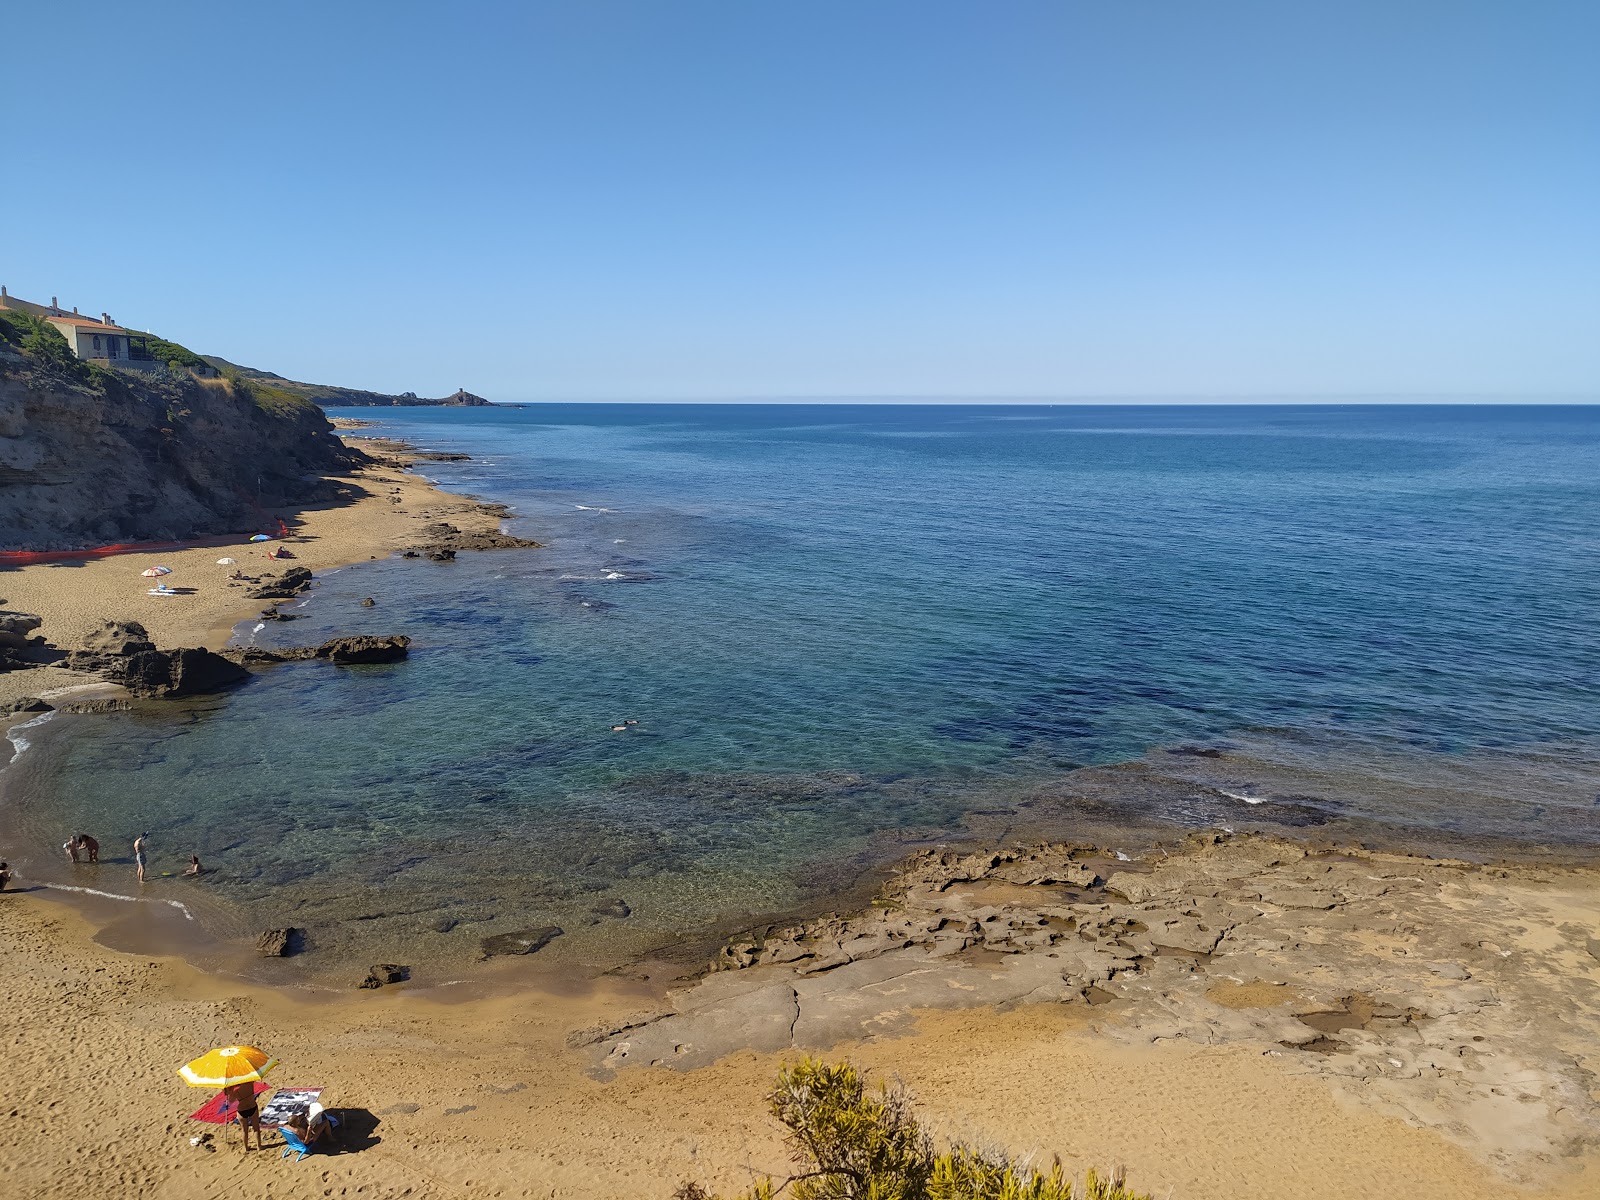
[(139, 861)]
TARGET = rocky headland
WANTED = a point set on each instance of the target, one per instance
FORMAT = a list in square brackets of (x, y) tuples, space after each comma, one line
[(90, 457)]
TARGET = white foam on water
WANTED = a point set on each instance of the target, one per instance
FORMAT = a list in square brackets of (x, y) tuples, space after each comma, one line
[(259, 627), (1242, 796), (1121, 857), (21, 741), (65, 887)]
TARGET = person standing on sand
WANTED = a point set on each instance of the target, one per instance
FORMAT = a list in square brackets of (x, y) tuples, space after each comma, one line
[(243, 1096), (138, 861)]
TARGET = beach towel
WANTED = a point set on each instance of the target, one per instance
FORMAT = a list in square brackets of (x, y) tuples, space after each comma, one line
[(219, 1109), (286, 1102)]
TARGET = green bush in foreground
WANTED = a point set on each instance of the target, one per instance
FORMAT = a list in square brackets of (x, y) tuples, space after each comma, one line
[(854, 1144)]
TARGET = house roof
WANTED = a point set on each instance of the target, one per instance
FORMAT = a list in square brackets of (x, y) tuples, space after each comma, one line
[(86, 323)]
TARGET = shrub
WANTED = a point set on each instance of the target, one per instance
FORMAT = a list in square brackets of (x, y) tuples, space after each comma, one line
[(40, 340), (850, 1143)]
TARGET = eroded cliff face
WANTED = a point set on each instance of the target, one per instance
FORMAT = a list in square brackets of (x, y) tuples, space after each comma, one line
[(119, 458)]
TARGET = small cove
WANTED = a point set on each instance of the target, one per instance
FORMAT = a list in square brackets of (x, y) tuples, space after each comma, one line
[(844, 633)]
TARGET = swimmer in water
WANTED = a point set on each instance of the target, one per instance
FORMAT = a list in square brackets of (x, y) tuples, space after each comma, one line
[(194, 867)]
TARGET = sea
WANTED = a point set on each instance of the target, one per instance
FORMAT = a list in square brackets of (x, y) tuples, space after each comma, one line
[(767, 650)]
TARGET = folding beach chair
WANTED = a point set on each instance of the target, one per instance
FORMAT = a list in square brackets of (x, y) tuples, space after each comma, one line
[(292, 1142)]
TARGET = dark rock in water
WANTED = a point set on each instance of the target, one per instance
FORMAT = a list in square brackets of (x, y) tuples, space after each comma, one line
[(16, 626), (193, 671), (441, 554), (445, 924), (524, 941), (440, 456), (382, 973), (273, 614), (369, 602), (364, 649), (411, 554), (28, 704), (291, 583), (612, 908), (120, 638), (279, 943), (101, 704)]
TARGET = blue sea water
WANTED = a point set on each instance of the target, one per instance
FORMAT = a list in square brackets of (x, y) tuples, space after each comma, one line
[(845, 630)]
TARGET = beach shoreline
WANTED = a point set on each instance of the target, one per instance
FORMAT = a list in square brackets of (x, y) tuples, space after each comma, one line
[(391, 506), (511, 1085)]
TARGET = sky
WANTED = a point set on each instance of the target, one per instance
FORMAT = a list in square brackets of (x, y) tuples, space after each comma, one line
[(599, 199)]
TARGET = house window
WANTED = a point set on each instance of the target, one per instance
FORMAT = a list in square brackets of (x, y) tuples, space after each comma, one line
[(97, 342)]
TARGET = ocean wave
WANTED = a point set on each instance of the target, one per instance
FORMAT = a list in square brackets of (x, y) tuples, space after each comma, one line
[(67, 887), (19, 740)]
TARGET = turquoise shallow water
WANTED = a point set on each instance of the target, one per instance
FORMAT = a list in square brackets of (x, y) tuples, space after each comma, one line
[(845, 629)]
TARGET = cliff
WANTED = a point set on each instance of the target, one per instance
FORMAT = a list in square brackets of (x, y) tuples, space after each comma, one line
[(90, 457), (330, 395)]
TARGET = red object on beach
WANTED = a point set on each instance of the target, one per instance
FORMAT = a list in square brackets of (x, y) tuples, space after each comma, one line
[(219, 1109)]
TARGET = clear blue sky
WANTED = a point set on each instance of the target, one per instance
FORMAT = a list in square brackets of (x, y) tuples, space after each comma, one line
[(597, 199)]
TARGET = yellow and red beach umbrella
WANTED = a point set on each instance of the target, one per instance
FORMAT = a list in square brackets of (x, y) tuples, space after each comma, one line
[(226, 1066)]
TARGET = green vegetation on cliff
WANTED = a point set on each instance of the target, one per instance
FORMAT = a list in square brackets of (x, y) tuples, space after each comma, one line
[(38, 339), (850, 1143)]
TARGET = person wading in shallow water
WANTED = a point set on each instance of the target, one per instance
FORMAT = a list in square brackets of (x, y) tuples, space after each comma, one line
[(138, 861), (82, 842)]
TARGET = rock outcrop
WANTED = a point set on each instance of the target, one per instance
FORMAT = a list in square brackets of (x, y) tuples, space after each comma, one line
[(91, 457), (442, 540), (1462, 998), (279, 943), (345, 651), (281, 587), (16, 627), (192, 671), (380, 974)]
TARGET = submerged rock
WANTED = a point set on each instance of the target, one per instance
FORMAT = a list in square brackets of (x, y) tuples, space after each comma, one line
[(524, 941), (100, 704)]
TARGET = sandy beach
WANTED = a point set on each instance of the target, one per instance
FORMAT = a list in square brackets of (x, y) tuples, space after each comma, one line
[(474, 1092)]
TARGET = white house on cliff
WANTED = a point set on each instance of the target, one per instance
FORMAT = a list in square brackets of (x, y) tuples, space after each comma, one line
[(102, 342)]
